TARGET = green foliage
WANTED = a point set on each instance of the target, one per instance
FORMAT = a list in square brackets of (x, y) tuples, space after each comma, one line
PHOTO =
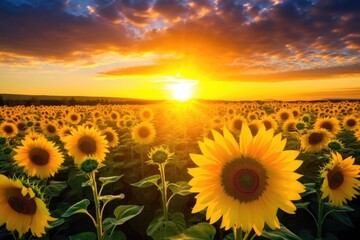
[(160, 229), (122, 214), (79, 207), (200, 231)]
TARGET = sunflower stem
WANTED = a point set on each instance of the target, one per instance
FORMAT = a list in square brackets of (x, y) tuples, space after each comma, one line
[(142, 163), (164, 191), (320, 218), (97, 206), (238, 234)]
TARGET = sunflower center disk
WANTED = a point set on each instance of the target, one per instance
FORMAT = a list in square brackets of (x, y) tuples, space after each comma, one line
[(109, 136), (244, 179), (351, 122), (335, 179), (8, 129), (39, 156), (21, 204), (87, 145), (51, 129), (238, 124), (144, 132), (315, 138), (327, 125)]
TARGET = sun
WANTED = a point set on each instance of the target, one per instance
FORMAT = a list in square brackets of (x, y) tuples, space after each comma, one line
[(182, 90)]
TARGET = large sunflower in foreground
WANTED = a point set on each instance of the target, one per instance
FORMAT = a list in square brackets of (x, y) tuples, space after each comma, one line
[(340, 179), (245, 182), (39, 157), (85, 143), (21, 209)]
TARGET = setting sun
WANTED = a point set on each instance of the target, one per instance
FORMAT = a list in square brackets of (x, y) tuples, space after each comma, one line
[(182, 90)]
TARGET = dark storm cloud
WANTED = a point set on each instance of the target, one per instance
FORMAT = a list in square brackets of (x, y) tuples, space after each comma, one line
[(301, 37), (45, 29)]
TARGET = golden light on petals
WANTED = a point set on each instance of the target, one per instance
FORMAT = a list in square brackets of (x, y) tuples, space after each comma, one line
[(21, 209), (233, 177), (340, 180), (39, 157), (85, 143)]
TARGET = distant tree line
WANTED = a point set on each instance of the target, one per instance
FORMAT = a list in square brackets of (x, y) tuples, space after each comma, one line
[(68, 101)]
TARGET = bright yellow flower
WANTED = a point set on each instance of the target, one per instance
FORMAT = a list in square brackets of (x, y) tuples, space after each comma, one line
[(39, 157), (143, 133), (86, 143), (315, 140), (21, 209), (340, 179), (245, 182)]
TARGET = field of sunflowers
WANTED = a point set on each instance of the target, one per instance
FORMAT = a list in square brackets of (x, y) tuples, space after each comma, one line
[(232, 170)]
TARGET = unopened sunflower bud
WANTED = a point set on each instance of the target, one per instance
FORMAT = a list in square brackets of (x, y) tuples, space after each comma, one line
[(89, 165)]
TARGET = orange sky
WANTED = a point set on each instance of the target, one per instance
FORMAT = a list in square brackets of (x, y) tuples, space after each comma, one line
[(253, 50)]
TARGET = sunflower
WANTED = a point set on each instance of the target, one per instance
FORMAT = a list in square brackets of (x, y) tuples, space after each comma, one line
[(146, 114), (33, 135), (8, 129), (254, 127), (236, 123), (50, 129), (245, 182), (350, 122), (315, 140), (143, 133), (331, 124), (159, 155), (289, 126), (283, 114), (21, 126), (114, 115), (340, 179), (86, 143), (21, 209), (111, 136), (64, 131), (269, 122), (73, 118), (39, 157), (335, 144)]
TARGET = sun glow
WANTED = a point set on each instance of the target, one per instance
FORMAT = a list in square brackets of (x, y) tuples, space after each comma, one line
[(182, 90)]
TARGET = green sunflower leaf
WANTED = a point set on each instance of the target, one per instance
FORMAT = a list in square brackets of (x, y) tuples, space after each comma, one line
[(146, 182), (182, 188), (54, 188), (108, 198), (122, 214), (280, 234), (107, 180), (79, 207)]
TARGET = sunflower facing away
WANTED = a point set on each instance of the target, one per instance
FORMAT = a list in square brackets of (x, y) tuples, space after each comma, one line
[(245, 182), (21, 209), (85, 143), (340, 179), (39, 157)]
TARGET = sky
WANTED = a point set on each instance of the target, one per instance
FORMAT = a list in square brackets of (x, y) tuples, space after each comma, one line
[(217, 49)]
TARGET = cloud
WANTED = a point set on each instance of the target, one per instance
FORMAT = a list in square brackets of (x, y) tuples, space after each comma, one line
[(220, 40)]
